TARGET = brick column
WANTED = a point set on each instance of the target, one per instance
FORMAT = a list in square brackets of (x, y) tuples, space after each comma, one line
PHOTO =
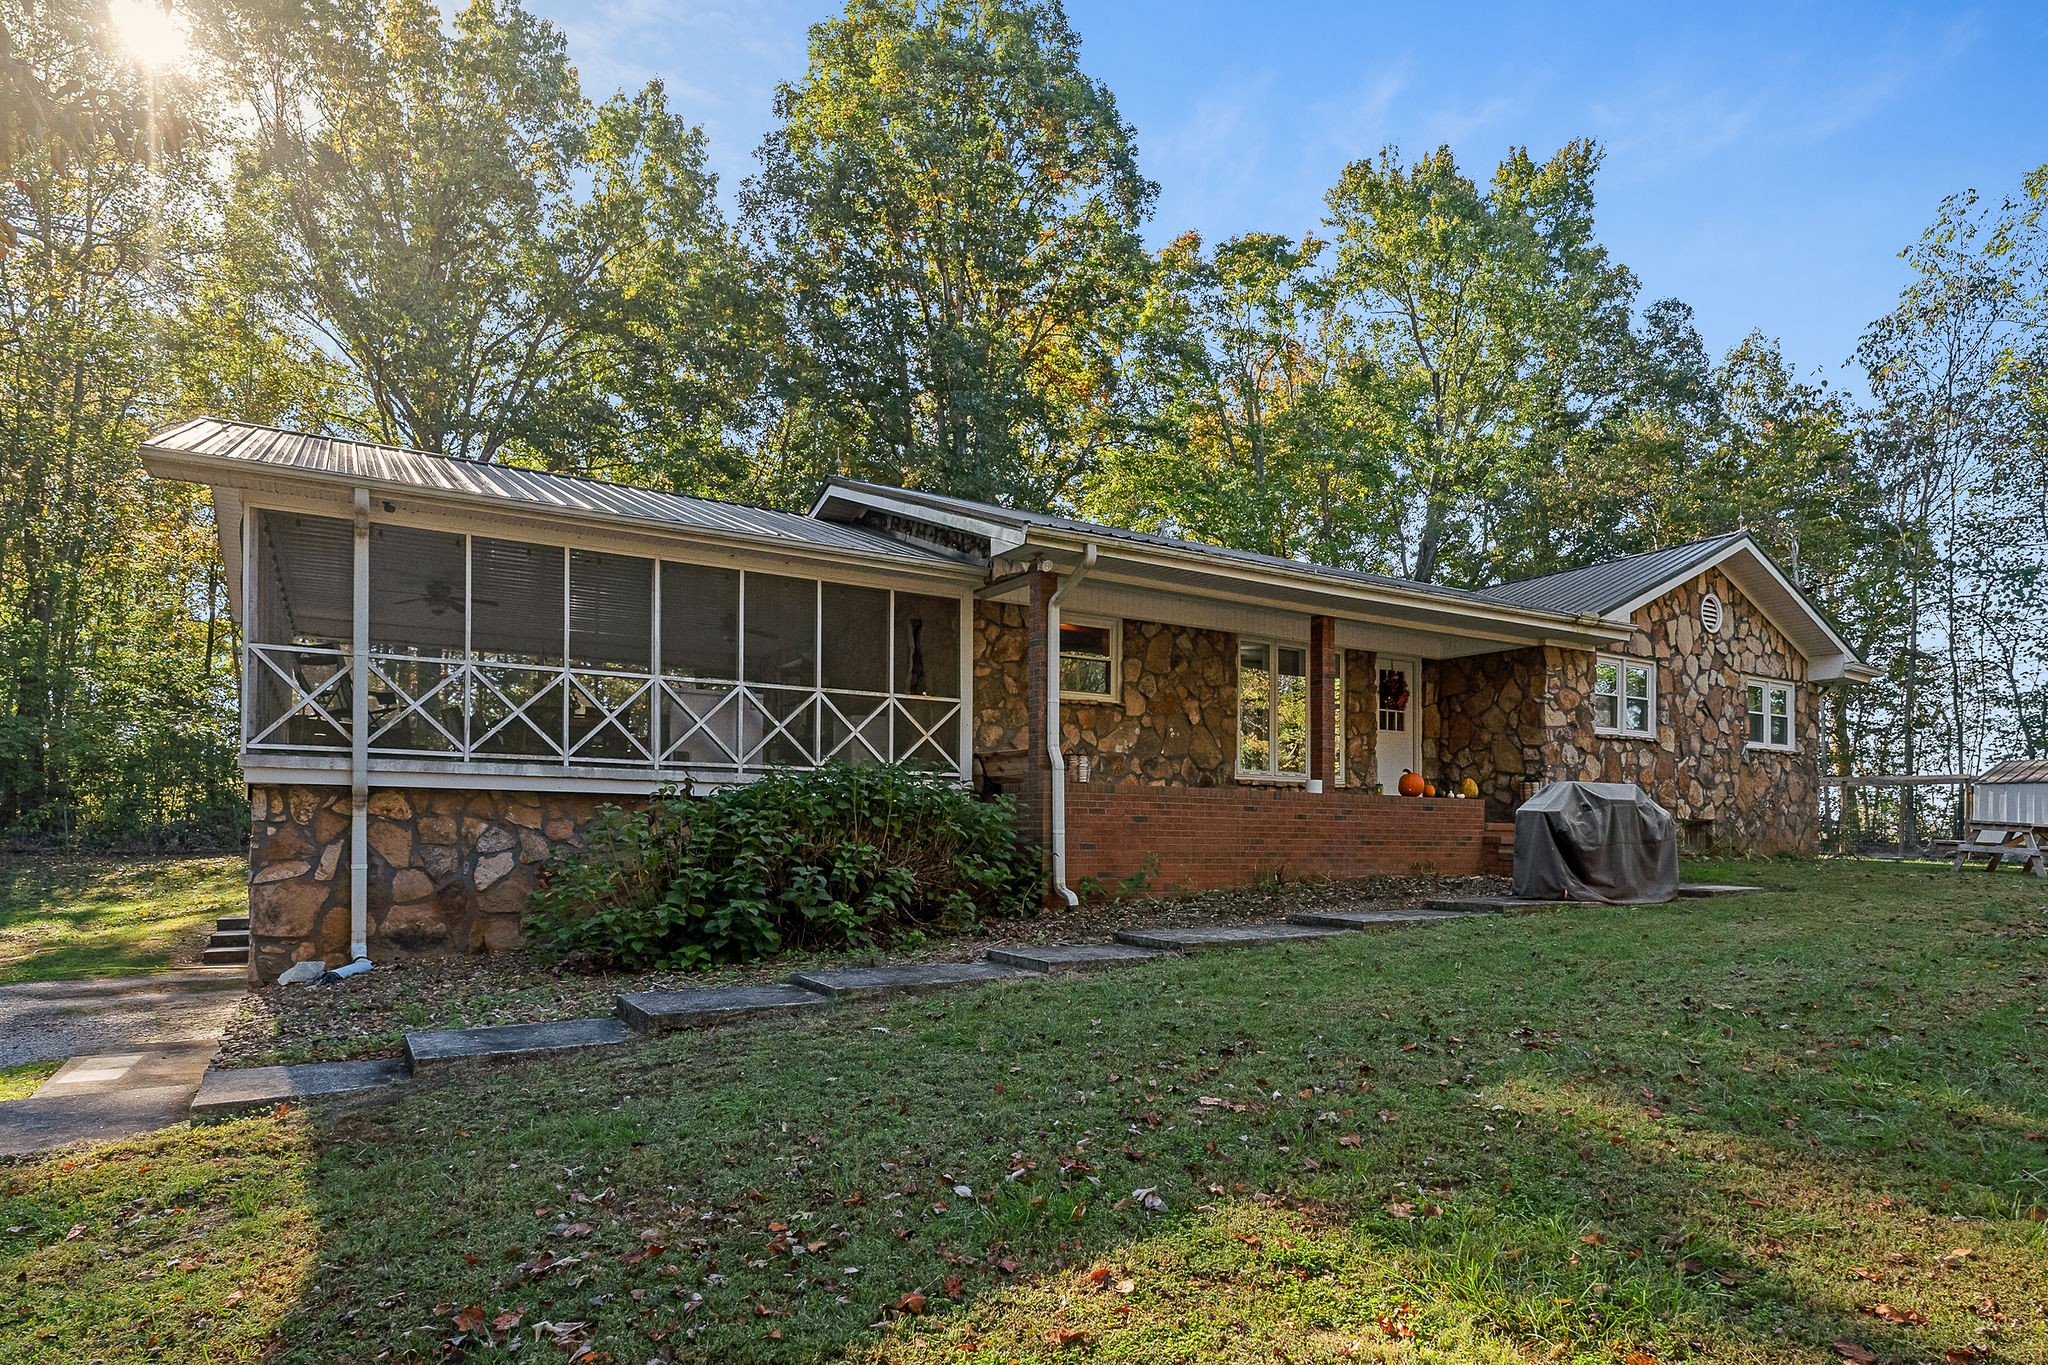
[(1034, 802), (1322, 701)]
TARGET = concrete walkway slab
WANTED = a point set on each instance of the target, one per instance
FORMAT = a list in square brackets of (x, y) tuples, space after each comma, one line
[(859, 982), (663, 1011), (223, 1093), (1221, 936), (1372, 921), (510, 1042), (41, 1123), (1702, 890), (1061, 959), (144, 1067)]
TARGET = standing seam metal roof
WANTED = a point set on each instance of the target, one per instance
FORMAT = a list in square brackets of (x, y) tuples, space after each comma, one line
[(1012, 517), (1601, 588), (383, 464)]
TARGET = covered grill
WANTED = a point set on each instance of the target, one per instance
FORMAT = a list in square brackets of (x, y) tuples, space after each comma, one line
[(1595, 841)]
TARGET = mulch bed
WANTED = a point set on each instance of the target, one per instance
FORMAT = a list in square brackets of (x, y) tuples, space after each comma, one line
[(366, 1016)]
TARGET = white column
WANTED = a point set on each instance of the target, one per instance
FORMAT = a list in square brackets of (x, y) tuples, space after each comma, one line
[(966, 689), (359, 742)]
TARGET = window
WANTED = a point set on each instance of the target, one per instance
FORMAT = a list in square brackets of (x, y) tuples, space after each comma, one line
[(1770, 715), (1272, 710), (1625, 698), (1088, 659)]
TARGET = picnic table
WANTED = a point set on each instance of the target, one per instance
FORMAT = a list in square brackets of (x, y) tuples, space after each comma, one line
[(1996, 843)]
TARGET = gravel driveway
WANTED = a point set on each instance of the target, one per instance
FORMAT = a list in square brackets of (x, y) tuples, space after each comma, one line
[(43, 1021)]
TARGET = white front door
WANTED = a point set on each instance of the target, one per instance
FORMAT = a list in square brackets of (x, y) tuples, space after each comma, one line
[(1400, 689)]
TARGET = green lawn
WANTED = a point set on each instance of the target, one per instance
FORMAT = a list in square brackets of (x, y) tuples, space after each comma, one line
[(81, 916), (1740, 1130)]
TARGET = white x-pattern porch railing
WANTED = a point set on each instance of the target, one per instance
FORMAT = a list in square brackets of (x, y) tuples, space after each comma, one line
[(472, 710)]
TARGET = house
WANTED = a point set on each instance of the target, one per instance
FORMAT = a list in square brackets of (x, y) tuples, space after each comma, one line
[(448, 666)]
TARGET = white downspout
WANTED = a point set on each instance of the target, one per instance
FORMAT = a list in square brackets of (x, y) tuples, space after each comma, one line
[(1052, 726), (359, 752)]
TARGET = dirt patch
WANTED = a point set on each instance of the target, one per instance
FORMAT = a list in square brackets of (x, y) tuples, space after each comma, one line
[(368, 1015)]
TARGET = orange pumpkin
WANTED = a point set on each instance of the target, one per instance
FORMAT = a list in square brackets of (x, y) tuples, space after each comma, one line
[(1412, 784), (1429, 789)]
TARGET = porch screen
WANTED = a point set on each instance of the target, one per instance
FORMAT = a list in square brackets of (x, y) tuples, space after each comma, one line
[(486, 649)]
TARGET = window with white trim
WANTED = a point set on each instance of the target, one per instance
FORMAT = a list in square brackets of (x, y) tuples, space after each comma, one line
[(1089, 654), (1624, 697), (1770, 714), (1272, 710)]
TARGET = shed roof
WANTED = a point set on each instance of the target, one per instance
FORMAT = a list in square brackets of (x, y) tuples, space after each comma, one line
[(2016, 770), (224, 445)]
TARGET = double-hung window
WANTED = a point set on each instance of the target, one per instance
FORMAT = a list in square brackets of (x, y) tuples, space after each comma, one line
[(1625, 697), (1770, 714), (1089, 653), (1272, 710)]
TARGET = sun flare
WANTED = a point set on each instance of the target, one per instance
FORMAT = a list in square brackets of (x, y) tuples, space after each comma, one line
[(154, 36)]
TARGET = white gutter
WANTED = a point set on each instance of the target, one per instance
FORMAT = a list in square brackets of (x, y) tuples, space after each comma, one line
[(359, 749), (1052, 725)]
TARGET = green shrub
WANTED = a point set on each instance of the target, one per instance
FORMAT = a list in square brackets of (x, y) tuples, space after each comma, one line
[(828, 858)]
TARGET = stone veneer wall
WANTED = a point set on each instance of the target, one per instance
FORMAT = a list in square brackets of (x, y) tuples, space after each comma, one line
[(1361, 719), (450, 871), (1482, 718), (1737, 799), (1176, 721)]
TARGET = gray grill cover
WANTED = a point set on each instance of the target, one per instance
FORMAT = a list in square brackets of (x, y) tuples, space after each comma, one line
[(1595, 841)]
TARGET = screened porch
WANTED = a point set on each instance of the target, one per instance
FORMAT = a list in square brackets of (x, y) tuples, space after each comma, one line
[(492, 652)]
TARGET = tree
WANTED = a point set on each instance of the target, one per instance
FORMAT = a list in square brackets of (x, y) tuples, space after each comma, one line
[(115, 676), (1261, 432), (950, 209), (501, 268), (1480, 309)]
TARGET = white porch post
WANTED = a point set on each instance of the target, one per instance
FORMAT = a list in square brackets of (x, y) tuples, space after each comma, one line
[(966, 688), (359, 742)]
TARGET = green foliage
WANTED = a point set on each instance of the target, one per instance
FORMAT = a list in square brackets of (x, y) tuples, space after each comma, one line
[(840, 856), (954, 205)]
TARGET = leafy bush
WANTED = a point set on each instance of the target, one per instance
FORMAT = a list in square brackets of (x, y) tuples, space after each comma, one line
[(833, 857)]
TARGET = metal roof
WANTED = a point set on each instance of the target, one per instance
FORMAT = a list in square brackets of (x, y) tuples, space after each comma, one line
[(242, 443), (1600, 588), (2017, 770), (1012, 517)]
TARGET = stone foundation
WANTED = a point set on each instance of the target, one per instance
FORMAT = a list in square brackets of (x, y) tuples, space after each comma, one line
[(450, 871)]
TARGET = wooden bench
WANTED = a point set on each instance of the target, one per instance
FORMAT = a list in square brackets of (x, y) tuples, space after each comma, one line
[(1996, 843)]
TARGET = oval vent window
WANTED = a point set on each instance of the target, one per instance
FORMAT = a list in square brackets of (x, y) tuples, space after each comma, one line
[(1711, 614)]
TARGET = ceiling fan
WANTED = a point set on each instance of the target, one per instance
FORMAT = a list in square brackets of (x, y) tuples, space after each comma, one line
[(440, 597)]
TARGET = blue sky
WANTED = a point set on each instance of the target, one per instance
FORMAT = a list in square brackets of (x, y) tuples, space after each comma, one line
[(1765, 162)]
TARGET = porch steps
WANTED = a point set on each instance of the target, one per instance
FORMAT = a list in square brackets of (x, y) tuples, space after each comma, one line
[(1498, 847), (1373, 921), (229, 944)]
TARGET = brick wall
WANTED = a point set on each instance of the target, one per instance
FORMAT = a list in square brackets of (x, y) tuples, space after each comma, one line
[(1198, 838)]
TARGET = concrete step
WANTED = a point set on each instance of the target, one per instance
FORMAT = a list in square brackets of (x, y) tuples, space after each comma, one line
[(229, 938), (1062, 959), (859, 982), (223, 1093), (1221, 936), (229, 923), (510, 1042), (225, 957), (1372, 921), (664, 1011)]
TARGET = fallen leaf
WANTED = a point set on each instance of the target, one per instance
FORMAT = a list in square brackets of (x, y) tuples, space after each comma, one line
[(954, 1286), (912, 1302), (1351, 1140), (1884, 1312), (470, 1319), (1062, 1337), (1853, 1351), (506, 1320)]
